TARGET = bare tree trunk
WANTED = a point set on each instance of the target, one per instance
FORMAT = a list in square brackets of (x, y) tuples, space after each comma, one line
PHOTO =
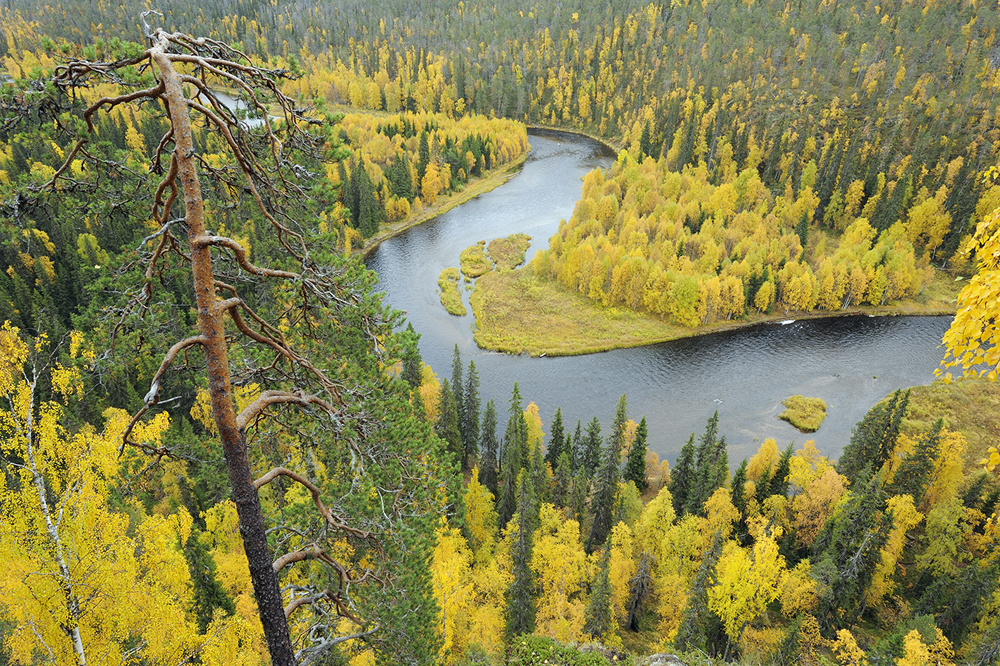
[(72, 602), (211, 323)]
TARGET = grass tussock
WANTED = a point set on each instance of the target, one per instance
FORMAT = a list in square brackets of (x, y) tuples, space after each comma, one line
[(451, 297), (804, 413), (474, 260), (508, 253)]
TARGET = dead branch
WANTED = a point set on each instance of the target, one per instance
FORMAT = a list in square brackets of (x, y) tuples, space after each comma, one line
[(333, 520)]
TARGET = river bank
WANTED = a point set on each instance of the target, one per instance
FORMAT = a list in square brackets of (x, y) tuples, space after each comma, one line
[(849, 362), (473, 189), (518, 313)]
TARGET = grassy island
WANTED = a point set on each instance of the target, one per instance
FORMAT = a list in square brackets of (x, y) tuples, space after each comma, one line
[(474, 260), (804, 413), (451, 297), (508, 253)]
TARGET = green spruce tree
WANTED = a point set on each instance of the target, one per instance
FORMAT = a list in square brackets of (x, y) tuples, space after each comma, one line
[(521, 608), (470, 413), (682, 477), (489, 471), (635, 466), (556, 439), (591, 448), (597, 617)]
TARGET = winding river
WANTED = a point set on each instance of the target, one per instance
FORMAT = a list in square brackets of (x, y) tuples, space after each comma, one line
[(850, 362)]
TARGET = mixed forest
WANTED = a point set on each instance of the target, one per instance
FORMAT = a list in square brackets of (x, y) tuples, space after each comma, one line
[(219, 446)]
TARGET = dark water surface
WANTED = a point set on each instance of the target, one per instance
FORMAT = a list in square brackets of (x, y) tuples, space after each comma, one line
[(850, 362)]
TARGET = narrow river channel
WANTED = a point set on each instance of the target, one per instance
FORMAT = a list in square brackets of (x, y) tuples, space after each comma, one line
[(850, 362)]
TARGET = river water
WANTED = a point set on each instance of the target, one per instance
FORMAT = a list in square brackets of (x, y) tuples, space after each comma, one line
[(850, 362)]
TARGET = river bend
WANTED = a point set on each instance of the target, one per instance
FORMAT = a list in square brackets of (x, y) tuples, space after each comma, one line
[(850, 362)]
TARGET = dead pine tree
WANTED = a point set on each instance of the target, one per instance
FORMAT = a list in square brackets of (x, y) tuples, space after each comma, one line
[(181, 73)]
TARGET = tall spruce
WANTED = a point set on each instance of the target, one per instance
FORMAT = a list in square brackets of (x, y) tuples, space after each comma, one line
[(711, 467), (520, 613), (470, 413), (591, 448), (576, 448), (413, 363), (513, 456), (700, 628), (423, 159), (556, 439), (916, 469), (447, 423), (848, 551), (608, 477), (458, 387), (489, 470), (739, 498), (400, 179), (639, 588), (873, 439), (539, 475), (682, 477), (562, 481), (597, 618), (778, 484), (635, 466)]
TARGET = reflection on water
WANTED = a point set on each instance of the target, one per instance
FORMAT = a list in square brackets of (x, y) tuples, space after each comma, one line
[(850, 362)]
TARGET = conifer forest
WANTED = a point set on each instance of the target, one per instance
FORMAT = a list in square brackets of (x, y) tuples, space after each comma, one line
[(219, 445)]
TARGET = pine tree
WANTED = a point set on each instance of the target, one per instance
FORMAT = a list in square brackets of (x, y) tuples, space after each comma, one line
[(520, 613), (598, 620), (470, 413), (682, 477), (488, 464), (591, 448), (556, 439), (635, 467)]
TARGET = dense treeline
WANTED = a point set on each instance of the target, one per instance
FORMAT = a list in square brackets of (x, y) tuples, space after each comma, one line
[(677, 245), (888, 556), (871, 92), (777, 154)]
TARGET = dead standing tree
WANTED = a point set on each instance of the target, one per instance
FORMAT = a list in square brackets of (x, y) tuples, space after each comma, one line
[(266, 177)]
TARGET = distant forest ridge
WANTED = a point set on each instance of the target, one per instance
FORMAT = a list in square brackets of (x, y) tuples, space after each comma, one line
[(898, 95)]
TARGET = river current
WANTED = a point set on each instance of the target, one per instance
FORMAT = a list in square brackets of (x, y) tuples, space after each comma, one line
[(850, 362)]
